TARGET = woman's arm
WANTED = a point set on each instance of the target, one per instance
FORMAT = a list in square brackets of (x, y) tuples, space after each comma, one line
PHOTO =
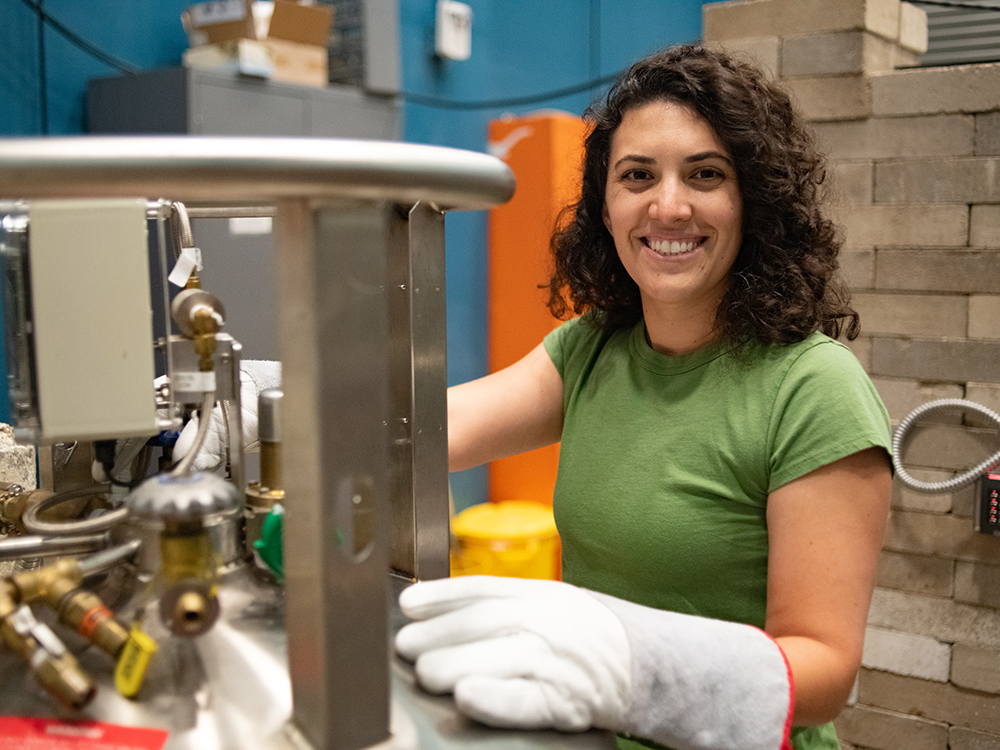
[(512, 411), (825, 533)]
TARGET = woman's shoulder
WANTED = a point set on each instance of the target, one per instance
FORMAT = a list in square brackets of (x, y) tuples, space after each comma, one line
[(580, 340)]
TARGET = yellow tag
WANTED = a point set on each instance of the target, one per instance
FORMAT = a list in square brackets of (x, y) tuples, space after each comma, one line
[(132, 664)]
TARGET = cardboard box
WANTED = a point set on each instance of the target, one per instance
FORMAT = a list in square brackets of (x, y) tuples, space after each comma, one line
[(283, 41), (219, 21), (304, 24)]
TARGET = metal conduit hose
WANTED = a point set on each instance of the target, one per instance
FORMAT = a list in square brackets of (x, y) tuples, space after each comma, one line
[(99, 524), (956, 483)]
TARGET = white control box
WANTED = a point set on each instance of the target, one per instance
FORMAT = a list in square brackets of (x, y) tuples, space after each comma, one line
[(453, 30)]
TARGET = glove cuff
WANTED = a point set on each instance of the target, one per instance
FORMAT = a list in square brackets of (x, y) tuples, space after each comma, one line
[(704, 684), (264, 373)]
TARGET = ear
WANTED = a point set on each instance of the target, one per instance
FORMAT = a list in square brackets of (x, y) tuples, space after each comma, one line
[(606, 216)]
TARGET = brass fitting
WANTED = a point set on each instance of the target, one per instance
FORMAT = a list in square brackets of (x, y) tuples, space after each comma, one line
[(54, 666), (189, 605), (59, 585), (206, 326)]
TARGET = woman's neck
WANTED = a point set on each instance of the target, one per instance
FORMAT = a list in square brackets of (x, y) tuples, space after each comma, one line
[(678, 332)]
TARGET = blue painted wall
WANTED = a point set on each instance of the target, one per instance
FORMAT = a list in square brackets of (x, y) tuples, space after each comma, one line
[(521, 49)]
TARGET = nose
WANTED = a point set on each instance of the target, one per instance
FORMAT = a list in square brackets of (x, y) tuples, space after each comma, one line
[(670, 202)]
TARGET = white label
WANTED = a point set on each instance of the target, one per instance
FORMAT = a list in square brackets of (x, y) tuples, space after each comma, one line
[(218, 11), (187, 263), (195, 381)]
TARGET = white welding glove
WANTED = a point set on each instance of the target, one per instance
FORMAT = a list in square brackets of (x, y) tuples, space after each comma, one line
[(255, 376), (531, 654)]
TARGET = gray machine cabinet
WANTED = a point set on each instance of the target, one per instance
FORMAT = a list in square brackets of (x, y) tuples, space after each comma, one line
[(200, 102)]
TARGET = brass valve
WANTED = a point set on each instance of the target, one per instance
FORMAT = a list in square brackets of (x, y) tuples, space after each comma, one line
[(54, 666), (82, 610)]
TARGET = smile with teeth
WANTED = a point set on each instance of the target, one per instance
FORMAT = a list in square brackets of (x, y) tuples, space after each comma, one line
[(668, 247)]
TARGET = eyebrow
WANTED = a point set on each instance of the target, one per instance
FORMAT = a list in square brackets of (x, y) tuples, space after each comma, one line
[(701, 156)]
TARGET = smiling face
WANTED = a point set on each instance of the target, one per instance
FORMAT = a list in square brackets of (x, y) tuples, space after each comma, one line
[(673, 206)]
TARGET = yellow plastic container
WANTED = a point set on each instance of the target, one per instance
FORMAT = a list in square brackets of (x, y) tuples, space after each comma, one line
[(513, 538)]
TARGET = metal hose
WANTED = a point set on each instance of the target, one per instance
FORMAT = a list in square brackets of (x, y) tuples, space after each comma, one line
[(204, 421), (956, 483), (34, 525)]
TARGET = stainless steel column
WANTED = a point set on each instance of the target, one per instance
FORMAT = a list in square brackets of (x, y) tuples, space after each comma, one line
[(420, 515), (334, 343)]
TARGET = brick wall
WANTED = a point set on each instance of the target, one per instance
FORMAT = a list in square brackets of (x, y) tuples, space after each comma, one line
[(916, 166)]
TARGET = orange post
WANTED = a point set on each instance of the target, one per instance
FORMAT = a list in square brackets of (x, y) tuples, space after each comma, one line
[(545, 152)]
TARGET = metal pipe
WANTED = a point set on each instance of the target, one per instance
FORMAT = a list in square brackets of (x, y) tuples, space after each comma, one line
[(101, 561), (192, 169), (19, 547)]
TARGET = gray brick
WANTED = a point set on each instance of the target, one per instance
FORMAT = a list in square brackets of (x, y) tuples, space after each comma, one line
[(906, 654), (958, 88), (824, 54), (984, 316), (945, 536), (942, 360), (756, 18), (831, 98), (906, 226), (902, 396), (976, 668), (898, 137), (887, 730), (988, 134), (960, 738), (943, 619), (984, 226), (852, 182), (762, 51), (857, 267), (936, 701), (917, 574), (957, 502), (959, 270), (913, 314), (979, 583), (985, 394), (966, 180), (905, 498)]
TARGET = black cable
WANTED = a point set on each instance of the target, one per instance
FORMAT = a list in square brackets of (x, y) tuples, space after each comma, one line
[(43, 86), (954, 4), (110, 60), (433, 101)]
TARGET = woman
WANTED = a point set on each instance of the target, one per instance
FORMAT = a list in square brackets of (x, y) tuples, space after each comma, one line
[(724, 474)]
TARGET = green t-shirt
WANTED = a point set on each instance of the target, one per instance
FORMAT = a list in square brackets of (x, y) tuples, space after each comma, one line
[(666, 464)]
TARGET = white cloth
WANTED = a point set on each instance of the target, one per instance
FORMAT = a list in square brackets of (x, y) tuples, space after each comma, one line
[(544, 654)]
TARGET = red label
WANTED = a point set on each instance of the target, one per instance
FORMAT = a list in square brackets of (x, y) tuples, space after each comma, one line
[(25, 733)]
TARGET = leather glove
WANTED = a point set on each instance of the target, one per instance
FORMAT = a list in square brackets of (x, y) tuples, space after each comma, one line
[(533, 654), (255, 376)]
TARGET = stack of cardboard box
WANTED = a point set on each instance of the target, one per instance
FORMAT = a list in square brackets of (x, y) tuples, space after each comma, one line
[(281, 40)]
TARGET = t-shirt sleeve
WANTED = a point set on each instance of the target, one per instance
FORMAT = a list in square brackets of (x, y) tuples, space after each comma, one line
[(827, 408)]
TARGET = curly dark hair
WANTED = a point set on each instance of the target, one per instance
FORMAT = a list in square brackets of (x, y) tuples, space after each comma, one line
[(783, 284)]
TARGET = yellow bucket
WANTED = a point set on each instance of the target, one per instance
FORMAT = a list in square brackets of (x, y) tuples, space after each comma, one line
[(512, 538)]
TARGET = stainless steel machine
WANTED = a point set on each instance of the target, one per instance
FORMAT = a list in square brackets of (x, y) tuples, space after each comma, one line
[(137, 601)]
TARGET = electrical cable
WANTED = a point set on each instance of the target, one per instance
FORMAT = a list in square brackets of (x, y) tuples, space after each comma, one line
[(956, 483), (956, 4), (438, 103), (79, 42)]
